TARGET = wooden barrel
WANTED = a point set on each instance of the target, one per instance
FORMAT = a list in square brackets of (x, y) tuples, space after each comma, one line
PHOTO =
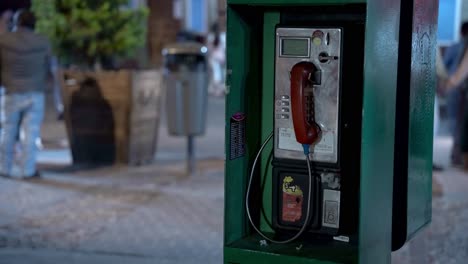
[(112, 116)]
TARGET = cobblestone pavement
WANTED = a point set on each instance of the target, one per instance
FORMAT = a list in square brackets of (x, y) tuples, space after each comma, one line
[(147, 213), (445, 240)]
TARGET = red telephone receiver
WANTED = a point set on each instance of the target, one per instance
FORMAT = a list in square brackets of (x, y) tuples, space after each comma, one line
[(307, 131)]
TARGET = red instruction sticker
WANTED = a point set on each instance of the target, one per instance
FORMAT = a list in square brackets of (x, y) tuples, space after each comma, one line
[(292, 201)]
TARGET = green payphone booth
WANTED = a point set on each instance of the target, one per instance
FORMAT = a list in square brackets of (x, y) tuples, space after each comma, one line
[(329, 129)]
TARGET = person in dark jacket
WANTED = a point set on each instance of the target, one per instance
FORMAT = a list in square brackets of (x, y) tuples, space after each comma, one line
[(25, 61)]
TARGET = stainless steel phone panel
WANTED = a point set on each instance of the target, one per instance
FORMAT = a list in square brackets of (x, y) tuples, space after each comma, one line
[(326, 94)]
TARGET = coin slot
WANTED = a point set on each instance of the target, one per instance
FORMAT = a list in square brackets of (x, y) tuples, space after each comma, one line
[(325, 57)]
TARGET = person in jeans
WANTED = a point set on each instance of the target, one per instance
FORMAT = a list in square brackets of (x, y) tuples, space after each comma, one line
[(25, 61), (5, 26)]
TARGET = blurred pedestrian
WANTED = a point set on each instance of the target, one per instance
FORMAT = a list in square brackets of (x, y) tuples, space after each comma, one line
[(5, 21), (25, 60), (456, 95), (442, 75), (5, 26), (458, 81), (217, 60)]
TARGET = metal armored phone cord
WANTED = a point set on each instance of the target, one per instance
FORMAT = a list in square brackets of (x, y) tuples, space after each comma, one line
[(247, 207)]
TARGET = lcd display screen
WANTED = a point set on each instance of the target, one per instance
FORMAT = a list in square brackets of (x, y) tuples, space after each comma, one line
[(295, 47)]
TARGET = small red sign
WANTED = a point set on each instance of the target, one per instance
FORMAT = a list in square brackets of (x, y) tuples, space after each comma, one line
[(292, 207)]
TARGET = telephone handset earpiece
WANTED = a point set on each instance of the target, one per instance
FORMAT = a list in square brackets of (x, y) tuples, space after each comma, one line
[(307, 131)]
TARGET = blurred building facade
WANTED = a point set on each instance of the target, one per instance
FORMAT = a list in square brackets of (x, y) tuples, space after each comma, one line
[(162, 28), (168, 17)]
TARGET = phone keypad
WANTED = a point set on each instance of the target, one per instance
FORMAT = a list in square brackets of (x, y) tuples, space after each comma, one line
[(283, 107)]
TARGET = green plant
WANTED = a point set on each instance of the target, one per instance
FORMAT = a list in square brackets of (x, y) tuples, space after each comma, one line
[(90, 32)]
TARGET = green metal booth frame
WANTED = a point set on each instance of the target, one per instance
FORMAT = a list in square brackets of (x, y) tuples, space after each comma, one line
[(389, 79)]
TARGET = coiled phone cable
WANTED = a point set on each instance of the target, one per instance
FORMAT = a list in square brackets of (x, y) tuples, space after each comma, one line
[(247, 207)]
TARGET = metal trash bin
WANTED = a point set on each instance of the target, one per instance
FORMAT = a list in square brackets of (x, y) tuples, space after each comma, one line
[(186, 81)]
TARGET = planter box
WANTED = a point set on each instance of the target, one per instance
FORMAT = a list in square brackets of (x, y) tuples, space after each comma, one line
[(112, 116)]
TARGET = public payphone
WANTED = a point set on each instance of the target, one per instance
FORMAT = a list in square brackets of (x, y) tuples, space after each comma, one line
[(317, 97), (311, 135), (307, 96), (306, 123)]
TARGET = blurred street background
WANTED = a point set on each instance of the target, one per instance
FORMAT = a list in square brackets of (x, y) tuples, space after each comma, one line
[(155, 212)]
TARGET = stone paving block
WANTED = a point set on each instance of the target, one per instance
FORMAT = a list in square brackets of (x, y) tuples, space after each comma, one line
[(172, 226), (130, 211), (19, 199), (21, 256), (445, 239)]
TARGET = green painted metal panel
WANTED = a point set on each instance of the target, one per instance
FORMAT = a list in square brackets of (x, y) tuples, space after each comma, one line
[(243, 80), (241, 256), (234, 212), (378, 129), (421, 114), (294, 2), (249, 251), (271, 19), (415, 95)]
